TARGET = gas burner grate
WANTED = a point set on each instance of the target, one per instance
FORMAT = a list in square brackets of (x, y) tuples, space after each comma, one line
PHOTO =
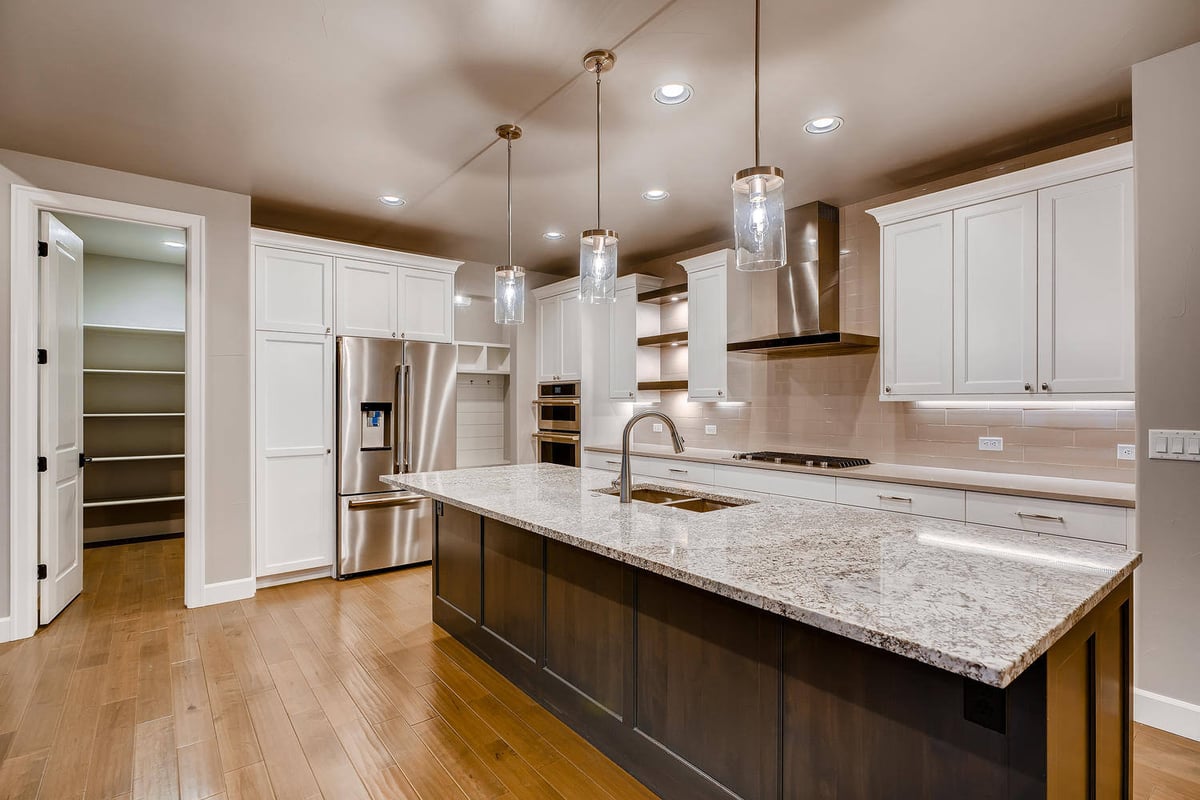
[(802, 459)]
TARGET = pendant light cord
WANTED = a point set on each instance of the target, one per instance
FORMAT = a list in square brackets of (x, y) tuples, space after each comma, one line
[(510, 260), (598, 145), (757, 28)]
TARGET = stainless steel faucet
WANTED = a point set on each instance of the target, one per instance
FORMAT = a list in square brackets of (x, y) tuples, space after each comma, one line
[(676, 441)]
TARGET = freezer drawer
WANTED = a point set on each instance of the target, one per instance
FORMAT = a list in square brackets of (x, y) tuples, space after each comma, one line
[(389, 529)]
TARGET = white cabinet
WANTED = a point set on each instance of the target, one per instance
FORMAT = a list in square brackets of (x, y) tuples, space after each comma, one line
[(293, 291), (708, 357), (366, 299), (1054, 517), (622, 345), (294, 467), (918, 328), (559, 354), (995, 296), (691, 471), (924, 501), (1086, 285), (426, 305)]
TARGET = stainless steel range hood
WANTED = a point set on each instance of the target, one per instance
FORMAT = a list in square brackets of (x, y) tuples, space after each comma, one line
[(796, 310)]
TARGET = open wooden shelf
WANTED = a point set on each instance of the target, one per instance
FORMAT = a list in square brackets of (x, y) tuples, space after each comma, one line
[(667, 294), (664, 340), (130, 329), (662, 386)]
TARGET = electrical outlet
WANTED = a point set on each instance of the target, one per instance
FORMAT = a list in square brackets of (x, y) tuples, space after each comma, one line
[(1126, 452), (992, 444), (710, 430), (658, 427)]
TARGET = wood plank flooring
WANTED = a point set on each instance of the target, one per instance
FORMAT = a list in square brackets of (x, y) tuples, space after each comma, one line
[(319, 689)]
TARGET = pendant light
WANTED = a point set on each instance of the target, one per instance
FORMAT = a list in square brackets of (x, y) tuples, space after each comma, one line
[(598, 246), (510, 279), (758, 225)]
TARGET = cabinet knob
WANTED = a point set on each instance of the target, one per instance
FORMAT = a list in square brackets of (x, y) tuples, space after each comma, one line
[(327, 330), (401, 334), (720, 392), (887, 389), (631, 394), (328, 450), (1029, 387), (393, 334), (1045, 387)]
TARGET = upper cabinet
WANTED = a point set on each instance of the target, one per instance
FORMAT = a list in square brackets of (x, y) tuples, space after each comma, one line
[(366, 299), (559, 353), (628, 320), (1014, 286), (293, 290), (708, 357), (426, 306)]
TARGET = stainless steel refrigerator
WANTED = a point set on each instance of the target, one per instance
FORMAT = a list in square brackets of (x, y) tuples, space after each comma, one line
[(396, 407)]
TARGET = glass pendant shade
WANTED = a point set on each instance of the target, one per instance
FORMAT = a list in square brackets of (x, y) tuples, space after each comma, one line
[(510, 295), (598, 266), (759, 232)]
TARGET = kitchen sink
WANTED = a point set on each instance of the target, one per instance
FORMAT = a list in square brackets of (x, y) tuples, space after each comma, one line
[(677, 498)]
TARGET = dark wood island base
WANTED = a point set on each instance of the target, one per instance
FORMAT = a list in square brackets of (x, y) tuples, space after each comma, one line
[(699, 696)]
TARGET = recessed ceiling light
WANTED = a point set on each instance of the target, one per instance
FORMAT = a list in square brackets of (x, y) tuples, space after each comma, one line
[(553, 236), (823, 124), (391, 200), (655, 194), (672, 94), (177, 245)]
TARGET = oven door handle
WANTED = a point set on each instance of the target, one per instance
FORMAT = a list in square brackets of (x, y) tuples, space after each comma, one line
[(384, 502), (559, 402), (557, 437)]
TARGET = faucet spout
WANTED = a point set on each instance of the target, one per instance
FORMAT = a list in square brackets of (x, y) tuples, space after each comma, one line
[(676, 443)]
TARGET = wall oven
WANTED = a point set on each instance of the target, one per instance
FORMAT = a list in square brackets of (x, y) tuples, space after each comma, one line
[(558, 423)]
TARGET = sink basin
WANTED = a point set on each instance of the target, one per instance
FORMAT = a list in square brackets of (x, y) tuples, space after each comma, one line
[(677, 498)]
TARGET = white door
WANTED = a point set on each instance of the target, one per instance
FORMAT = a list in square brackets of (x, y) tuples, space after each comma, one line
[(572, 348), (60, 419), (918, 327), (708, 358), (622, 345), (1086, 285), (294, 420), (366, 299), (293, 291), (426, 305), (995, 296), (549, 341)]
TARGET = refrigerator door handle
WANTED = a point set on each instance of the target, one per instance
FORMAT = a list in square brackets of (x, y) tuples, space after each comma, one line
[(386, 502), (397, 427), (406, 400)]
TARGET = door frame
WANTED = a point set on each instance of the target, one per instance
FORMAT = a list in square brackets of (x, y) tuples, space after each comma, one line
[(27, 203)]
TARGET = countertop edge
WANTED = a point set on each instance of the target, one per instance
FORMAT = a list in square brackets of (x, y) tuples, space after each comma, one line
[(1042, 494)]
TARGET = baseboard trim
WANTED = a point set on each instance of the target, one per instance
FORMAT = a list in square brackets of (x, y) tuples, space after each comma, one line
[(6, 629), (1166, 713), (227, 591), (265, 581)]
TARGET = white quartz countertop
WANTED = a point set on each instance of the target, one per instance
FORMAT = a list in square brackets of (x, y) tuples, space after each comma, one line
[(978, 601), (1079, 490)]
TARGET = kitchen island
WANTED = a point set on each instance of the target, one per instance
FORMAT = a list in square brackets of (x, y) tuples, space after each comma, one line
[(788, 648)]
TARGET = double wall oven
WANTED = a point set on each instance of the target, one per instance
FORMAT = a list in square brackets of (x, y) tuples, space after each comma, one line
[(558, 429)]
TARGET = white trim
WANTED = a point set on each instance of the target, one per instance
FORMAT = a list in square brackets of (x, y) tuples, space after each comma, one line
[(294, 577), (6, 629), (717, 258), (227, 591), (1087, 165), (332, 247), (555, 289), (27, 202), (1166, 714), (640, 282)]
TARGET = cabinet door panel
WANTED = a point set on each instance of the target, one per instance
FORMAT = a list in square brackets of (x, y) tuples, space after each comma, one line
[(425, 303), (1086, 285), (622, 349), (918, 329), (572, 351), (512, 586), (294, 437), (708, 361), (995, 296), (366, 299), (293, 291), (549, 341)]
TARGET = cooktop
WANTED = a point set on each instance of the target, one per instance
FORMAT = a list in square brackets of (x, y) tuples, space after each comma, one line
[(802, 459)]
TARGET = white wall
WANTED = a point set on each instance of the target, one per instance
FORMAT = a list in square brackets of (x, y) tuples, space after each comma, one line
[(132, 292), (1166, 107)]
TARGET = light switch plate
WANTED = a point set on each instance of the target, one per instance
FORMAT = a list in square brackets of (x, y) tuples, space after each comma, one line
[(1126, 452), (658, 427), (994, 444), (1174, 445), (710, 430)]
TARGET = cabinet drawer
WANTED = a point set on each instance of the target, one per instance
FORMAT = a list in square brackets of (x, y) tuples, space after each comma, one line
[(692, 471), (925, 501), (1056, 517), (788, 484), (607, 461)]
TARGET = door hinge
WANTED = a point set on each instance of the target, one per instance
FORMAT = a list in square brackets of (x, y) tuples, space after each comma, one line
[(43, 355), (43, 465), (42, 573), (43, 249)]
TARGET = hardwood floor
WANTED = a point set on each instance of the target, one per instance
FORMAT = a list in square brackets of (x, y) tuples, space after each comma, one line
[(319, 689)]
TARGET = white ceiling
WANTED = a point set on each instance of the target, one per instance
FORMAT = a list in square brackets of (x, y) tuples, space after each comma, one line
[(316, 108), (114, 237)]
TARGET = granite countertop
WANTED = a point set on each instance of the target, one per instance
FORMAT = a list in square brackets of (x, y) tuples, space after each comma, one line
[(1107, 493), (977, 601)]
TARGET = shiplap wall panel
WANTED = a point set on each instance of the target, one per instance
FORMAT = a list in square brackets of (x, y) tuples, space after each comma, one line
[(481, 420)]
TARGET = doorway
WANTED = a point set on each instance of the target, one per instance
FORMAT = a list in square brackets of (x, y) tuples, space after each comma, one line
[(111, 409)]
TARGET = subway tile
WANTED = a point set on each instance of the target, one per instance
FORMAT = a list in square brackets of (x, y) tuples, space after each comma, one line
[(1071, 418)]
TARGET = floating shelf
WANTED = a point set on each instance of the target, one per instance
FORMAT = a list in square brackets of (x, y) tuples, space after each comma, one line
[(165, 457), (89, 371), (662, 386), (137, 414), (664, 339), (128, 329), (667, 294), (131, 501)]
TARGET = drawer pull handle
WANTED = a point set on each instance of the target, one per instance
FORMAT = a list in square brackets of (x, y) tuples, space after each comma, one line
[(895, 497), (1041, 517), (610, 461), (676, 469)]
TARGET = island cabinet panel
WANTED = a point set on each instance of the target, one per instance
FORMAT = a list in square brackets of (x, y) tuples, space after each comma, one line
[(708, 683), (512, 586), (589, 621), (458, 571)]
